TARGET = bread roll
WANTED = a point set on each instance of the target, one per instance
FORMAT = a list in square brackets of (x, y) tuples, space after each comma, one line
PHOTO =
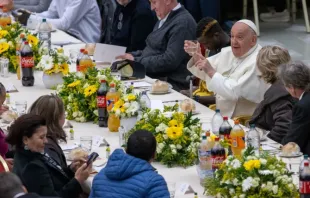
[(160, 86), (187, 105), (78, 153), (290, 149)]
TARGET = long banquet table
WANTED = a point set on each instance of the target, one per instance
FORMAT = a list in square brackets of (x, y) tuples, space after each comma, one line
[(176, 174)]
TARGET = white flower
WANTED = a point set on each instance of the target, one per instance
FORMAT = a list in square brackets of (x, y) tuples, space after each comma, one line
[(251, 158), (172, 146), (231, 191), (265, 172), (86, 85), (174, 152), (179, 147), (10, 43), (263, 161), (47, 62), (13, 29), (118, 112), (77, 119), (235, 164), (75, 114), (101, 77), (263, 185), (165, 137), (275, 189), (80, 75), (255, 183), (68, 107), (161, 145), (133, 108), (80, 114), (96, 112), (82, 119), (161, 128), (291, 186), (158, 150), (59, 87), (218, 195), (271, 167), (3, 40), (242, 196), (247, 184), (235, 182), (276, 173), (127, 105)]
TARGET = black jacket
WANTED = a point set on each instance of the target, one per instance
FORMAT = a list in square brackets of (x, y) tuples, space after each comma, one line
[(43, 179), (299, 130), (274, 113), (33, 195), (132, 24)]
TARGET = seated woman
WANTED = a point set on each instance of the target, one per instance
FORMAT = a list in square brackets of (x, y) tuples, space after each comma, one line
[(52, 109), (133, 22), (296, 79), (38, 171), (274, 113), (213, 38)]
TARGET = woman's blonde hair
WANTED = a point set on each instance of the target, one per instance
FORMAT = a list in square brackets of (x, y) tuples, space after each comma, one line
[(51, 108), (269, 59)]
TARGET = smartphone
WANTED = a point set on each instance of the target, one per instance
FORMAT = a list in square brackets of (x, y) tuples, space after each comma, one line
[(92, 157)]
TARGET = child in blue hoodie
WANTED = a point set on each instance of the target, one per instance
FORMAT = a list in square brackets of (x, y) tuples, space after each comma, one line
[(130, 174)]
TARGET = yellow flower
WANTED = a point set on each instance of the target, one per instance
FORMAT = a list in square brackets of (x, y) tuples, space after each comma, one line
[(118, 104), (90, 90), (251, 164), (33, 40), (64, 68), (131, 97), (3, 33), (75, 83), (174, 132), (4, 47)]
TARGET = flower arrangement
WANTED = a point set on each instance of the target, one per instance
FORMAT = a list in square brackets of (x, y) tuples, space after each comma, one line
[(177, 135), (251, 176), (9, 39), (79, 93), (127, 106), (54, 62)]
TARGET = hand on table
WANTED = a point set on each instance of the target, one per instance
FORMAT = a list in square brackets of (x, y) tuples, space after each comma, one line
[(126, 57), (22, 16), (83, 172), (10, 163), (77, 163)]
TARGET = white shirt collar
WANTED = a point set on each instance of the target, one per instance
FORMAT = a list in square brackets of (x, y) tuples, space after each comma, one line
[(161, 22), (19, 194), (301, 95)]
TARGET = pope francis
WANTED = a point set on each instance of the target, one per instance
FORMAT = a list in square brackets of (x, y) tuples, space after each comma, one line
[(232, 74)]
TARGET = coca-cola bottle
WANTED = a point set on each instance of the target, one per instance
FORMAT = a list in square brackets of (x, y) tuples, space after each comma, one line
[(27, 64), (103, 115), (304, 181), (217, 154), (225, 129)]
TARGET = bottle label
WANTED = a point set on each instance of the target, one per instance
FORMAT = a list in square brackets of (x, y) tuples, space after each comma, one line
[(238, 142), (27, 62), (304, 187), (101, 102), (217, 161), (204, 155), (110, 103)]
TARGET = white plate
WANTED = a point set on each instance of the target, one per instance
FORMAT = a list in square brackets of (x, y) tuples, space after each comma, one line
[(193, 112), (160, 93), (291, 156)]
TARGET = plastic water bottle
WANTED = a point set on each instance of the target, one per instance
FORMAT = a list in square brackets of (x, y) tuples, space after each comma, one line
[(301, 167), (45, 30), (217, 121), (145, 100), (253, 139), (205, 163)]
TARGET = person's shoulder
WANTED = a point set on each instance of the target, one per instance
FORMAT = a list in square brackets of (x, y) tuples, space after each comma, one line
[(305, 101)]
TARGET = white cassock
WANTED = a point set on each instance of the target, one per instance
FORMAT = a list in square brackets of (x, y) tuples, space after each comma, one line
[(236, 83)]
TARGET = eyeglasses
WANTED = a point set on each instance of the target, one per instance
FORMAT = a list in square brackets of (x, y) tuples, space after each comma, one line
[(120, 22)]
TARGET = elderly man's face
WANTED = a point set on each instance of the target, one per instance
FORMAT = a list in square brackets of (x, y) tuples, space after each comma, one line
[(161, 7), (242, 39), (123, 2)]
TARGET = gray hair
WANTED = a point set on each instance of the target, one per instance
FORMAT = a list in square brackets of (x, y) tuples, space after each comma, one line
[(295, 75), (10, 185)]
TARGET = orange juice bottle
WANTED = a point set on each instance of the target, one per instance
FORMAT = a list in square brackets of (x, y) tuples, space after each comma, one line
[(5, 18), (112, 97), (237, 137), (113, 123), (85, 62)]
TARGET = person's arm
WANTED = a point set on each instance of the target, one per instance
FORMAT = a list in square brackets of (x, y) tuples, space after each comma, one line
[(158, 188), (41, 7), (38, 179), (142, 25), (282, 117), (74, 12), (299, 130), (51, 12), (170, 60)]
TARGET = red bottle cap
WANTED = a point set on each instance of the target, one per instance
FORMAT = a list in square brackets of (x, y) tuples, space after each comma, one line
[(26, 43), (217, 139), (112, 85), (103, 81), (225, 118), (82, 50), (85, 52), (237, 122), (306, 163), (22, 36), (208, 133)]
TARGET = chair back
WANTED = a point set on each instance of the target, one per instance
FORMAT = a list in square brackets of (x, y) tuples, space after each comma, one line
[(3, 165)]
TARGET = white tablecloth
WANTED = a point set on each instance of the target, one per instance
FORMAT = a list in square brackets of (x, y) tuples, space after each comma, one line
[(177, 174)]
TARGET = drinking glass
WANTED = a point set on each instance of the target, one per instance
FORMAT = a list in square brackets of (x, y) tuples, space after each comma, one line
[(86, 143), (4, 67), (192, 49), (73, 55), (171, 188), (21, 107)]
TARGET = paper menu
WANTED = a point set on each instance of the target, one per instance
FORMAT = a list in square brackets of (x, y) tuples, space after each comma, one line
[(107, 53), (10, 87)]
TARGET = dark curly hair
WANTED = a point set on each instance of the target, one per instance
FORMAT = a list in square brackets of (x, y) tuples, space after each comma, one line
[(207, 27)]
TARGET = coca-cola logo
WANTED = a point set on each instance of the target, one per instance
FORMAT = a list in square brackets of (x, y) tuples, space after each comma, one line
[(101, 102), (217, 161), (27, 61), (304, 187)]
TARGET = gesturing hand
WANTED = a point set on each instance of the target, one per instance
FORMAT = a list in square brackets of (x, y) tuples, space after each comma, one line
[(204, 65), (22, 16)]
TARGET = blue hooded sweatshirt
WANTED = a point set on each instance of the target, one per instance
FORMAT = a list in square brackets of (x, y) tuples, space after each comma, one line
[(128, 177)]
